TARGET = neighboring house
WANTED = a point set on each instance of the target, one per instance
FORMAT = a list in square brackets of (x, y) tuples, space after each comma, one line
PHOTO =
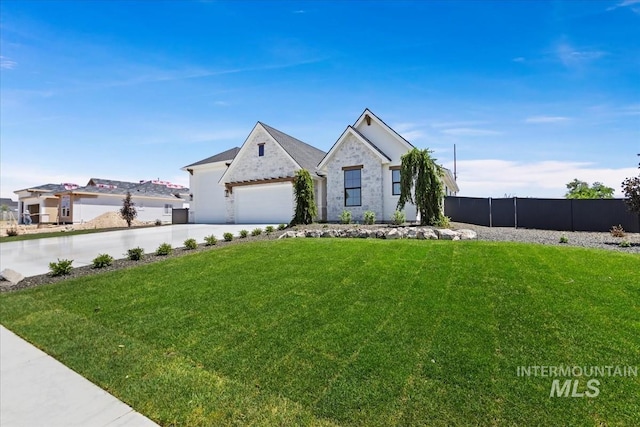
[(70, 203), (253, 184), (11, 209), (41, 202)]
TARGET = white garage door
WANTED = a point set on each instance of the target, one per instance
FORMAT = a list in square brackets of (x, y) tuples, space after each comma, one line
[(264, 204)]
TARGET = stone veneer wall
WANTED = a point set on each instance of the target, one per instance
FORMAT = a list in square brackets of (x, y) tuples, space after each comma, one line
[(352, 153), (274, 164)]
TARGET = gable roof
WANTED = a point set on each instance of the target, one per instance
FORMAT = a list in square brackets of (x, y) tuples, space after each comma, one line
[(364, 140), (225, 156), (389, 129), (302, 153)]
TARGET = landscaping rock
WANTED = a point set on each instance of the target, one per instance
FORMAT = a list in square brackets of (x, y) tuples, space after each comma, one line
[(446, 234), (312, 233), (466, 234), (328, 233), (411, 233), (393, 234), (11, 276), (287, 235)]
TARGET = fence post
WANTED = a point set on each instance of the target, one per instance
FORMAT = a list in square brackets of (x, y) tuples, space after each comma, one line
[(490, 214), (515, 212)]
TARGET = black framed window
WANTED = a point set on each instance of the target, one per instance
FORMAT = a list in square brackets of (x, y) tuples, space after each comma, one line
[(261, 150), (395, 182), (352, 187)]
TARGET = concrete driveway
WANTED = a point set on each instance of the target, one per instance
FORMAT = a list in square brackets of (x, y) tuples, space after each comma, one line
[(32, 257)]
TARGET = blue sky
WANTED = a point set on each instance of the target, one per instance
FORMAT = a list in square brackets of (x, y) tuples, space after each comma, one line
[(533, 94)]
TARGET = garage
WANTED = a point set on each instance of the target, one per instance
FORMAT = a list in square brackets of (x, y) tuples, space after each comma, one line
[(264, 203)]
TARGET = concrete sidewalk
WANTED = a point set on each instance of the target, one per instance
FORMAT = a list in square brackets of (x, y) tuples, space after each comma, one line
[(37, 390)]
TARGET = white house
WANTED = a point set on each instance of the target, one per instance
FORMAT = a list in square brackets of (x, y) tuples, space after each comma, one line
[(71, 203), (253, 183)]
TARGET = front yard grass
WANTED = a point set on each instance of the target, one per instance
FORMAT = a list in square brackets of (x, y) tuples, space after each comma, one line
[(350, 332)]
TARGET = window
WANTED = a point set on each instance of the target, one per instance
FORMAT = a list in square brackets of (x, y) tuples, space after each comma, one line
[(352, 187), (395, 182), (167, 208), (260, 150)]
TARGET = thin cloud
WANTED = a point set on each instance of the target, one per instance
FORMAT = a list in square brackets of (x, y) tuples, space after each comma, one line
[(470, 132), (298, 12), (570, 56), (519, 59), (625, 3), (546, 119), (486, 177), (7, 64), (455, 124)]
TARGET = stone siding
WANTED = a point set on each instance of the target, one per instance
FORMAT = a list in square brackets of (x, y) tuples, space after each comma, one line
[(352, 153), (274, 164)]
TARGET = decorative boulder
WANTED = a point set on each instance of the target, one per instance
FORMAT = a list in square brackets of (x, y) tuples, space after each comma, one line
[(466, 234), (426, 233), (446, 234), (11, 276), (393, 234)]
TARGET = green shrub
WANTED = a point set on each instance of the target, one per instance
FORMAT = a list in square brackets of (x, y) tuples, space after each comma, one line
[(190, 244), (617, 231), (399, 218), (227, 237), (61, 268), (135, 254), (210, 240), (369, 217), (625, 244), (244, 233), (269, 229), (256, 231), (13, 231), (102, 260), (345, 217), (282, 226), (444, 222), (164, 249), (564, 239)]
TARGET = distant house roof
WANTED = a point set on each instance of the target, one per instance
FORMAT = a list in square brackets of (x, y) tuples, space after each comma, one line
[(304, 154), (9, 203), (220, 157), (47, 188)]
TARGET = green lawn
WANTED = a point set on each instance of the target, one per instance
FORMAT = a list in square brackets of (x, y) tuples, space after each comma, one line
[(350, 332)]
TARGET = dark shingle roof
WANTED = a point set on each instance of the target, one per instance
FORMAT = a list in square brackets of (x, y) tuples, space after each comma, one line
[(220, 157), (304, 154), (45, 188)]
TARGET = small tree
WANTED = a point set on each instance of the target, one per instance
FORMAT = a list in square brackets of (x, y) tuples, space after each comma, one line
[(306, 209), (581, 190), (420, 173), (631, 190), (128, 211)]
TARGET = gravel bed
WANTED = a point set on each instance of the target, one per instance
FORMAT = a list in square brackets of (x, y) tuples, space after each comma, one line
[(598, 240), (496, 234)]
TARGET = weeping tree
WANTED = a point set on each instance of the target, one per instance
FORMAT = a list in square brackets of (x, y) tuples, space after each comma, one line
[(128, 211), (306, 209), (421, 184)]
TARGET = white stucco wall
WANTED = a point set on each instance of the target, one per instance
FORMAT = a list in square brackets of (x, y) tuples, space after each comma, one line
[(208, 204), (351, 153), (385, 141)]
